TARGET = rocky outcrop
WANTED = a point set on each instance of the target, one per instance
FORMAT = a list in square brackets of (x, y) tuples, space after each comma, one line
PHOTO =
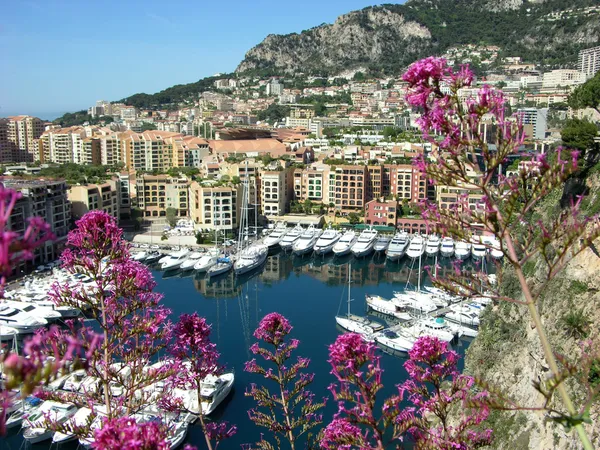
[(372, 34), (387, 38)]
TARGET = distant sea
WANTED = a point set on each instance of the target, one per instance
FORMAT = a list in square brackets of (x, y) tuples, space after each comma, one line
[(42, 115)]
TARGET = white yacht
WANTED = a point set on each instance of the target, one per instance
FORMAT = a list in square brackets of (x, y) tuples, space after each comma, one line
[(344, 245), (213, 390), (19, 320), (176, 432), (462, 250), (7, 333), (495, 249), (447, 248), (192, 259), (36, 429), (327, 241), (275, 237), (292, 236), (79, 419), (250, 258), (399, 340), (153, 257), (382, 243), (175, 260), (433, 245), (27, 408), (207, 260), (384, 306), (418, 305), (416, 248), (306, 241), (35, 310), (424, 297), (398, 246), (432, 327), (463, 315), (365, 243), (478, 250), (223, 265), (42, 300), (140, 256), (463, 330)]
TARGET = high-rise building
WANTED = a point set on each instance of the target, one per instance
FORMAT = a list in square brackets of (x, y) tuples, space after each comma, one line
[(19, 138), (46, 199), (535, 121), (63, 145), (274, 87), (588, 62)]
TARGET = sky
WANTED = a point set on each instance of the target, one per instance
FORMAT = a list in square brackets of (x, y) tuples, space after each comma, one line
[(60, 55)]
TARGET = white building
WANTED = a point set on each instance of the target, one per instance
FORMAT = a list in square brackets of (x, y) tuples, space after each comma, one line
[(537, 118), (588, 62), (274, 87), (562, 78)]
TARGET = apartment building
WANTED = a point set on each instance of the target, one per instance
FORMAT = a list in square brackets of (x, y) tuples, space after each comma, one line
[(62, 145), (110, 149), (588, 61), (561, 78), (150, 150), (215, 208), (46, 199), (405, 182), (126, 186), (157, 193), (22, 135), (276, 190), (459, 197), (312, 183), (104, 197), (350, 188), (381, 212)]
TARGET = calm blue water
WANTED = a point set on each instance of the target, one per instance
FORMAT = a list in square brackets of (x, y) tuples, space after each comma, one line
[(309, 292)]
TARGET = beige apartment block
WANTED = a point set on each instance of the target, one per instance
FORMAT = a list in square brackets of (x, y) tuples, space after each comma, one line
[(104, 197), (150, 150), (156, 193), (217, 207), (22, 135), (276, 191), (350, 188)]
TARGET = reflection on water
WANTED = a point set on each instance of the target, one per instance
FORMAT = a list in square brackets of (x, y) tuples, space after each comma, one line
[(328, 269)]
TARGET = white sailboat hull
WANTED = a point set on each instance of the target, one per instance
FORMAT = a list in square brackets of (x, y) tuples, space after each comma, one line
[(383, 306), (355, 327)]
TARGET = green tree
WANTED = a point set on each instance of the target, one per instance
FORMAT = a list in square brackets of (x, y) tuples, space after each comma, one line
[(354, 218), (147, 126), (359, 76), (587, 95), (171, 216), (308, 206), (579, 134)]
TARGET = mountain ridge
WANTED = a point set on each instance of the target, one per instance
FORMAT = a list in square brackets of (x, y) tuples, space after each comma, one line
[(390, 36)]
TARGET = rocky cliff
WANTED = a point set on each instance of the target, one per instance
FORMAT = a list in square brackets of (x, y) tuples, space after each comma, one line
[(388, 37), (507, 353)]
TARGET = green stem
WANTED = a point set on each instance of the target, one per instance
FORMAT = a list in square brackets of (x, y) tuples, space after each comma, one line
[(548, 353)]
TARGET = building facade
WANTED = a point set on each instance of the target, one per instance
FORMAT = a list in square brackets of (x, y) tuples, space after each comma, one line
[(588, 62), (104, 197), (22, 136), (46, 199), (215, 208), (157, 193), (275, 191), (381, 212)]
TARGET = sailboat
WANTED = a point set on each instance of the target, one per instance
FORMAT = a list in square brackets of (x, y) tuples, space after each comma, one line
[(253, 256), (357, 324)]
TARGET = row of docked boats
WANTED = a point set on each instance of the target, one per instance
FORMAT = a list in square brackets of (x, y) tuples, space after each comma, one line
[(28, 307), (301, 241), (35, 416), (427, 312)]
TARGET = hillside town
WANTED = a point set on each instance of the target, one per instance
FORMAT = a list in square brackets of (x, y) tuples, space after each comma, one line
[(328, 148)]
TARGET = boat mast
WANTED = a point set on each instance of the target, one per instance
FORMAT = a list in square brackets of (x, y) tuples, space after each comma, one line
[(419, 277), (349, 284)]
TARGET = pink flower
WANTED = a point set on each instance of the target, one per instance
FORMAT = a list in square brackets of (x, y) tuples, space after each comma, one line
[(273, 328), (341, 434), (125, 433)]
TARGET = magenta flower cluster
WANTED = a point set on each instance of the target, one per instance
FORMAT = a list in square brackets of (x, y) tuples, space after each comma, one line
[(124, 433)]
